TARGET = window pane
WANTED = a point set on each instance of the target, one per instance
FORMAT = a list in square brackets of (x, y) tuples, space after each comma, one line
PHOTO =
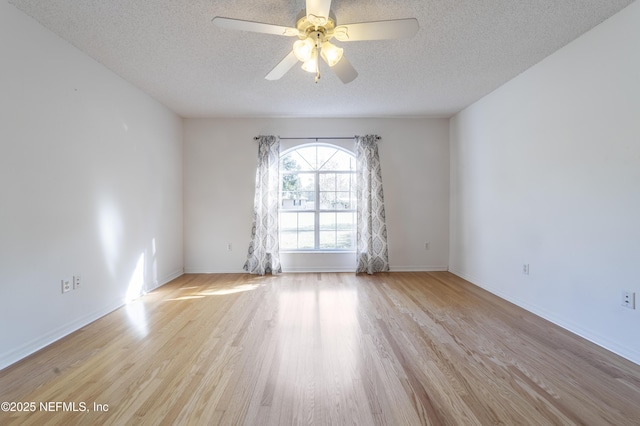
[(288, 240), (308, 157), (288, 221), (354, 190), (345, 221), (290, 182), (325, 157), (287, 203), (343, 181), (306, 240), (345, 240), (290, 162), (306, 221), (297, 190), (327, 181), (327, 200), (307, 200), (290, 191), (327, 240), (327, 221), (342, 161), (343, 201), (307, 181)]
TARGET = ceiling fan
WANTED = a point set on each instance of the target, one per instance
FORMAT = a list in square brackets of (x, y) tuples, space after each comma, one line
[(315, 27)]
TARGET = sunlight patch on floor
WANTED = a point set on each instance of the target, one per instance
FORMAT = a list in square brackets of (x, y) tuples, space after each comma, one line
[(215, 292)]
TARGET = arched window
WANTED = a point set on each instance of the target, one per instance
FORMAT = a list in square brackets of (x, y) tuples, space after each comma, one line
[(317, 199)]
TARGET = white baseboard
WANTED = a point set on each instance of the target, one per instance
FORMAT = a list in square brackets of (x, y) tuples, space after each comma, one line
[(211, 270), (602, 341), (35, 345), (418, 268), (164, 280), (15, 355)]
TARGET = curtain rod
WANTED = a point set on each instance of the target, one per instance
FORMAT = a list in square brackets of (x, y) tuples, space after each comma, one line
[(255, 138)]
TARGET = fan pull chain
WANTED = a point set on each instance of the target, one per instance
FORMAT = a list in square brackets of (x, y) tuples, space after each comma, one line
[(317, 53)]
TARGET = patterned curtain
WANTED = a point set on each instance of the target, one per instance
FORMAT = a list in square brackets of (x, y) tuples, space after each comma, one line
[(372, 252), (264, 252)]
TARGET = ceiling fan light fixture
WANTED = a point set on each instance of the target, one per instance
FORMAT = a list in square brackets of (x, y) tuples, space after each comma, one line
[(331, 53), (311, 65), (303, 49)]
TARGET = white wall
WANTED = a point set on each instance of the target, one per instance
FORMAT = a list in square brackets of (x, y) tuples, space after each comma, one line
[(90, 184), (546, 171), (220, 160)]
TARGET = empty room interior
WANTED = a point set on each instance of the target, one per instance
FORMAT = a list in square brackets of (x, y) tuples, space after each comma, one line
[(490, 277)]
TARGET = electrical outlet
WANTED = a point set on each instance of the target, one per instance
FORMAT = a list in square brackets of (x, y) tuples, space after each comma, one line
[(229, 247), (66, 285), (525, 268), (628, 299), (76, 282), (426, 246)]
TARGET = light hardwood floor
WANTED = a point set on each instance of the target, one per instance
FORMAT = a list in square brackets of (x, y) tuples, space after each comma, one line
[(323, 349)]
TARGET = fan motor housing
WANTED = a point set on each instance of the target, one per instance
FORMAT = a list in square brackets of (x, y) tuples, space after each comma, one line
[(322, 32)]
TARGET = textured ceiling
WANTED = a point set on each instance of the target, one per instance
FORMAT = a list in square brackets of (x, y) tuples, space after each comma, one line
[(463, 50)]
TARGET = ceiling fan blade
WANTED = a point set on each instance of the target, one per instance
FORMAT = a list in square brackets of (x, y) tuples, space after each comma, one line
[(378, 30), (318, 11), (281, 69), (256, 27), (345, 71)]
